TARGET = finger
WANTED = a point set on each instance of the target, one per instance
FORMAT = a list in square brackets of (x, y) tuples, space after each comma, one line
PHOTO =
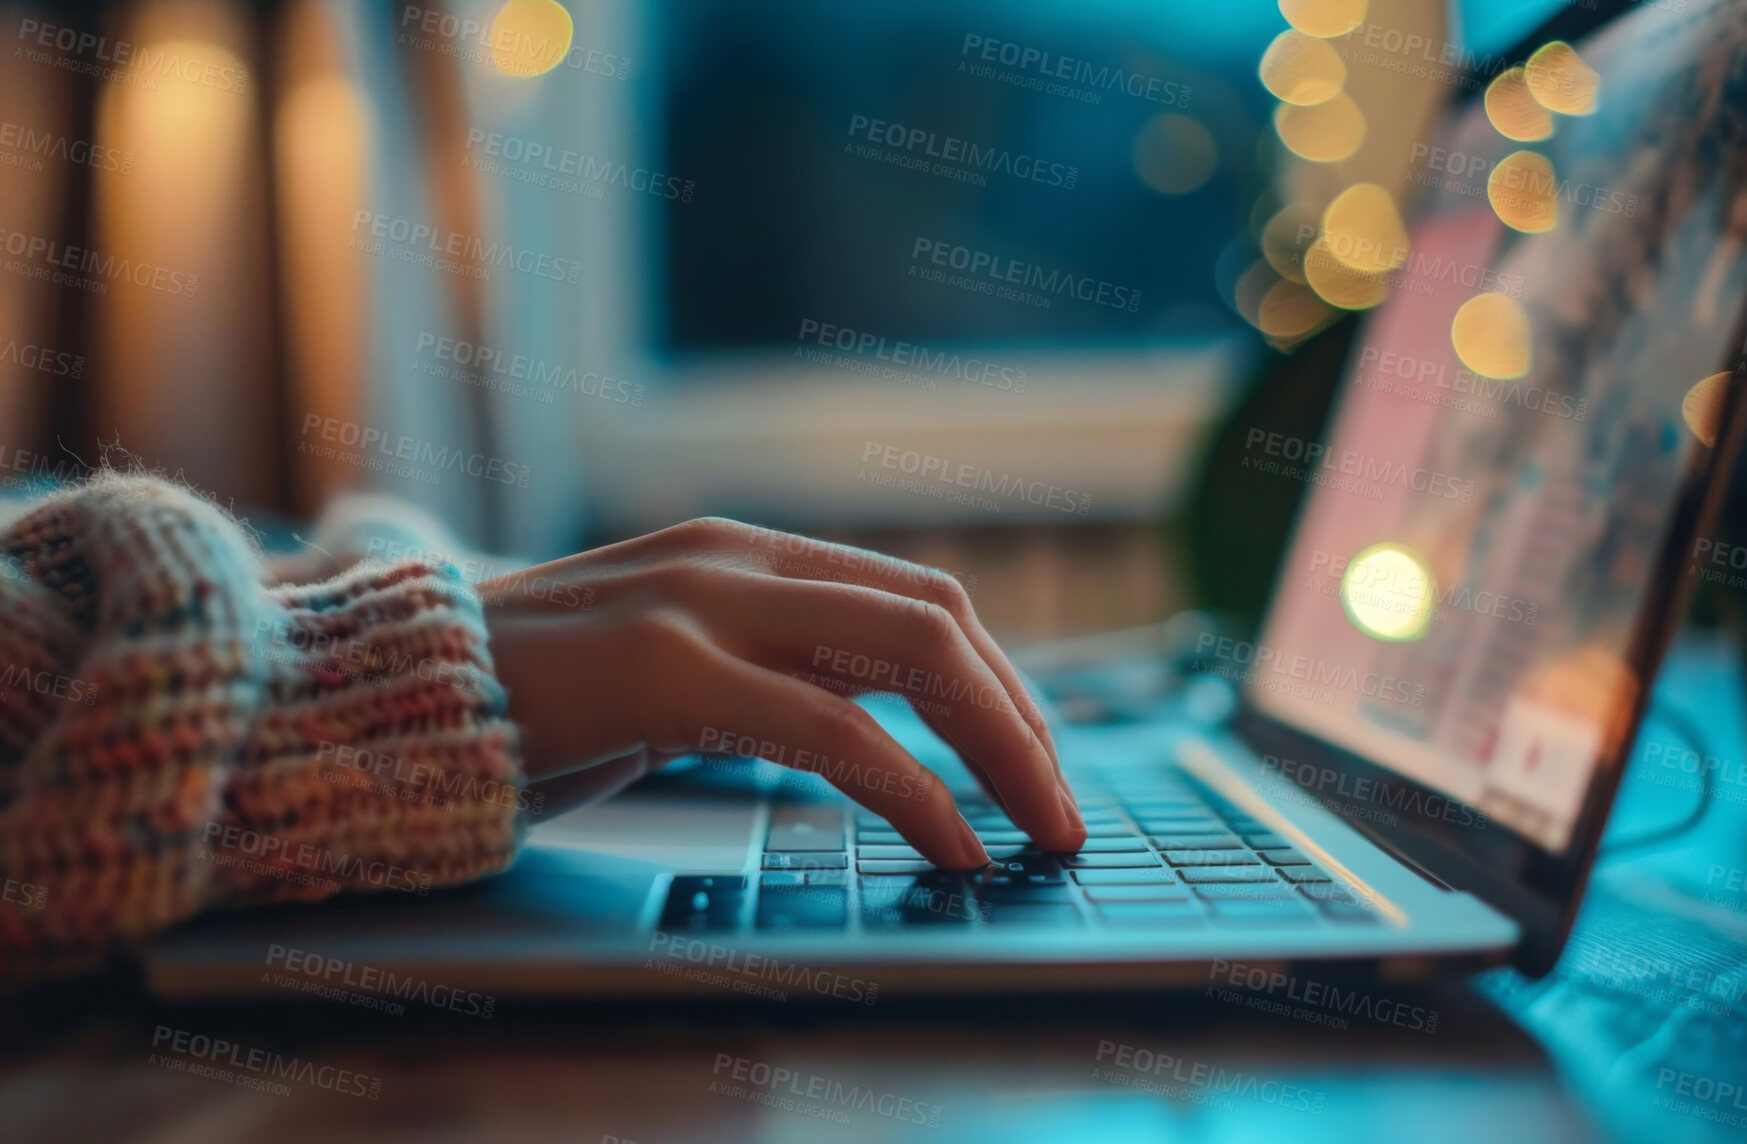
[(865, 639), (920, 582), (729, 700)]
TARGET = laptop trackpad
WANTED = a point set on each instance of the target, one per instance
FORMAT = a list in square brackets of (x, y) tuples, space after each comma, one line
[(694, 832)]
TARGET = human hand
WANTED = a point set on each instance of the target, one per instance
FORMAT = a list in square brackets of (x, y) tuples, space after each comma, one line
[(709, 633)]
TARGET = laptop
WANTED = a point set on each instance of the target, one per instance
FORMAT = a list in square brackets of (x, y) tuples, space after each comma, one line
[(1422, 740)]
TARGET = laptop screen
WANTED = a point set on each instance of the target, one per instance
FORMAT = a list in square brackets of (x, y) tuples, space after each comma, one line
[(1469, 568)]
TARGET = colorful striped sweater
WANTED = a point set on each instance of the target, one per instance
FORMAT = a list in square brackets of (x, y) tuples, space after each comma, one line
[(179, 733)]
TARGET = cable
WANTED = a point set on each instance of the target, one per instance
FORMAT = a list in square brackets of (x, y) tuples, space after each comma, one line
[(1694, 738)]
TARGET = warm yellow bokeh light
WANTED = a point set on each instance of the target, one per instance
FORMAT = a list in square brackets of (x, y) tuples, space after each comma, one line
[(1324, 18), (1514, 111), (1491, 336), (1703, 407), (530, 37), (1560, 81), (1339, 284), (1388, 593), (1301, 69), (1524, 192), (1324, 133), (1290, 311), (1286, 238), (1174, 154), (1364, 230), (1252, 286)]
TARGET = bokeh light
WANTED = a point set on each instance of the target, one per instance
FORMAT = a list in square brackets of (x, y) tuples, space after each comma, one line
[(1513, 109), (1174, 154), (1703, 407), (1491, 336), (1289, 311), (1324, 18), (1388, 593), (1524, 192), (530, 37), (1363, 229), (1339, 284), (1325, 132), (1286, 238), (1302, 70), (1560, 81)]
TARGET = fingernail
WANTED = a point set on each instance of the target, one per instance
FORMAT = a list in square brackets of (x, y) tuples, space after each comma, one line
[(970, 845)]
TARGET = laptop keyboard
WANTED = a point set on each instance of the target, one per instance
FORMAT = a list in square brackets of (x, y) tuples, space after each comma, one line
[(1173, 855)]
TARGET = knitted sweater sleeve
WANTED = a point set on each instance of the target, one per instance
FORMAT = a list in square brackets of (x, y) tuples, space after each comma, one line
[(177, 736)]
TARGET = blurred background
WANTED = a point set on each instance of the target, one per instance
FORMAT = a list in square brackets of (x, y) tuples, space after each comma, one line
[(562, 273)]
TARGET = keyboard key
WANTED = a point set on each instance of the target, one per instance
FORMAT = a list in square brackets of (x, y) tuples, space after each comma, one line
[(804, 907), (909, 853), (1110, 830), (1134, 876), (1033, 913), (1265, 840), (1326, 891), (1110, 861), (783, 878), (1004, 837), (893, 866), (1285, 856), (805, 826), (1209, 858), (1244, 892), (913, 904), (1206, 874), (708, 902), (879, 838), (1197, 842), (1208, 825), (1176, 915), (806, 861), (1013, 891), (1304, 874), (1113, 845), (1158, 893)]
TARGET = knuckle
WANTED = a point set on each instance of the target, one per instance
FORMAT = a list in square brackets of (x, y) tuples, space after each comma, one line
[(948, 592), (934, 624), (844, 723), (707, 530)]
